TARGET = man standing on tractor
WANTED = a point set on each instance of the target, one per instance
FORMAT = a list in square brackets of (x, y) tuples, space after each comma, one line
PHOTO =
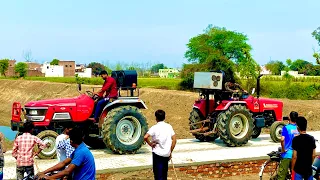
[(111, 93), (288, 133)]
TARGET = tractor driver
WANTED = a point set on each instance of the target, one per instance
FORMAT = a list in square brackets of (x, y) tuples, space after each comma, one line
[(111, 93), (233, 87)]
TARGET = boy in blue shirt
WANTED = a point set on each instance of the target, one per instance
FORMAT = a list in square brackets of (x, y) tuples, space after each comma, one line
[(289, 131), (80, 164)]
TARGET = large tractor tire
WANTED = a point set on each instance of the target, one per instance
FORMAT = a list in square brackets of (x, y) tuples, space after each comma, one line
[(194, 118), (48, 136), (256, 132), (235, 125), (123, 129), (276, 130)]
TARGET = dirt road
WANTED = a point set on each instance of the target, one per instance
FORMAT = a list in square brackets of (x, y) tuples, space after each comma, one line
[(177, 104)]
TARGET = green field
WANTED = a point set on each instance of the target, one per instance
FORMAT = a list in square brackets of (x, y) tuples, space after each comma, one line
[(161, 83)]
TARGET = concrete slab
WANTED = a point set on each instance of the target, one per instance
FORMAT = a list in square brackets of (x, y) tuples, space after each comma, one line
[(187, 151)]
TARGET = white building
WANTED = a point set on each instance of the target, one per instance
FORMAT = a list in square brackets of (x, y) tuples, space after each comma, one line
[(86, 72), (265, 71), (292, 73), (168, 73), (52, 70)]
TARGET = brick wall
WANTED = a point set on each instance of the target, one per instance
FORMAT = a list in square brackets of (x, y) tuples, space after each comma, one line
[(210, 170)]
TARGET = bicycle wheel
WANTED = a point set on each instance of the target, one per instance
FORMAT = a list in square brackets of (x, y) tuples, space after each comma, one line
[(269, 170)]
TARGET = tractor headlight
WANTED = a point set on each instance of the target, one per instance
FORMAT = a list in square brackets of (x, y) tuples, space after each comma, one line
[(33, 112)]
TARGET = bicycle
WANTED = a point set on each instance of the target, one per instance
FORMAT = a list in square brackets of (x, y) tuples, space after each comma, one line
[(270, 167)]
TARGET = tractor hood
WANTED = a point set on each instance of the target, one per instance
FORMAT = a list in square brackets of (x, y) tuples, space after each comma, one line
[(270, 103), (52, 102)]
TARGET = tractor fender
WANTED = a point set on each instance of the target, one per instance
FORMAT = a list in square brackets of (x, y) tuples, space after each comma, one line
[(225, 105), (126, 101)]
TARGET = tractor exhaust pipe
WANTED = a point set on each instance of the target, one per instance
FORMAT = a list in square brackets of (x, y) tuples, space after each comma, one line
[(258, 85)]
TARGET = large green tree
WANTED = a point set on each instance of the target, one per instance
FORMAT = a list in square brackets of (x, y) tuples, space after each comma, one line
[(96, 68), (221, 49), (21, 68), (4, 65), (54, 62), (299, 65), (275, 67), (155, 68)]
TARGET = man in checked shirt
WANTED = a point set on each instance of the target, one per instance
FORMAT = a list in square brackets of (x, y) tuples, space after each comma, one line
[(23, 150)]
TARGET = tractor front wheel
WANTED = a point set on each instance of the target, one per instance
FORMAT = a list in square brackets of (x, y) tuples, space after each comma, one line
[(276, 130), (124, 129), (235, 125), (48, 137)]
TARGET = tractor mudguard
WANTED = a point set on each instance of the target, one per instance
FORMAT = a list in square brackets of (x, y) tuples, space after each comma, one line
[(226, 104), (126, 101)]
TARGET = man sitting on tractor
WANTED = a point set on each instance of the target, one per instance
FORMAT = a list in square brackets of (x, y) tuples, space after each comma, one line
[(234, 88), (111, 93)]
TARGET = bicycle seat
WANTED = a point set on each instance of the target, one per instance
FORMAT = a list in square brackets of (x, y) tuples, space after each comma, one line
[(275, 155)]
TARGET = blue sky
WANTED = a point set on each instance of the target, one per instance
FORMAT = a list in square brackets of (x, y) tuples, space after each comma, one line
[(146, 31)]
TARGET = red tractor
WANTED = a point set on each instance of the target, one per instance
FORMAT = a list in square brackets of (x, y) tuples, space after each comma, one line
[(121, 126), (235, 118)]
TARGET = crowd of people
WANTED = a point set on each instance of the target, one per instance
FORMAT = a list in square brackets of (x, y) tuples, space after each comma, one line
[(298, 150)]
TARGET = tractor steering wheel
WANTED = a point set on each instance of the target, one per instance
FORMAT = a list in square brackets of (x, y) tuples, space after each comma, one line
[(91, 94)]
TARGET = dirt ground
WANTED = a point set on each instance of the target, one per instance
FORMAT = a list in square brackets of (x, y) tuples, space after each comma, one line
[(177, 104), (148, 174)]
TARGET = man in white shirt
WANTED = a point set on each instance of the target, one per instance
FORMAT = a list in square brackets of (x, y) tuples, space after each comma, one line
[(163, 142), (62, 153)]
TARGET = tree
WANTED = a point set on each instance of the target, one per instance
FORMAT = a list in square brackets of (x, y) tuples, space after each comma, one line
[(316, 35), (155, 68), (21, 68), (54, 62), (4, 64), (119, 66), (275, 67), (27, 55), (222, 49), (299, 65), (96, 68)]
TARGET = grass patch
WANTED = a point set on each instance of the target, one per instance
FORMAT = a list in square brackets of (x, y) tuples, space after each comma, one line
[(160, 83)]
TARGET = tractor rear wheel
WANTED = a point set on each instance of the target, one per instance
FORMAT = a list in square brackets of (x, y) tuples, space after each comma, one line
[(195, 117), (235, 125), (256, 132), (48, 136), (276, 130), (123, 129)]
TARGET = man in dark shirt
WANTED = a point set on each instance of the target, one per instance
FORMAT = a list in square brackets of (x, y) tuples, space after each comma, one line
[(111, 93), (304, 152)]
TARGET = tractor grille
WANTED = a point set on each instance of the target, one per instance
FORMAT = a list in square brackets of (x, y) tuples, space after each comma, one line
[(36, 111)]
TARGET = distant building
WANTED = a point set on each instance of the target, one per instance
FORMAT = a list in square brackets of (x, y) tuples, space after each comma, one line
[(52, 70), (265, 71), (33, 66), (68, 67), (168, 73), (292, 73), (10, 72)]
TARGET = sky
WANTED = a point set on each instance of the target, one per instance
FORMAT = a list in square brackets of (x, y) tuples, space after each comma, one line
[(144, 31)]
